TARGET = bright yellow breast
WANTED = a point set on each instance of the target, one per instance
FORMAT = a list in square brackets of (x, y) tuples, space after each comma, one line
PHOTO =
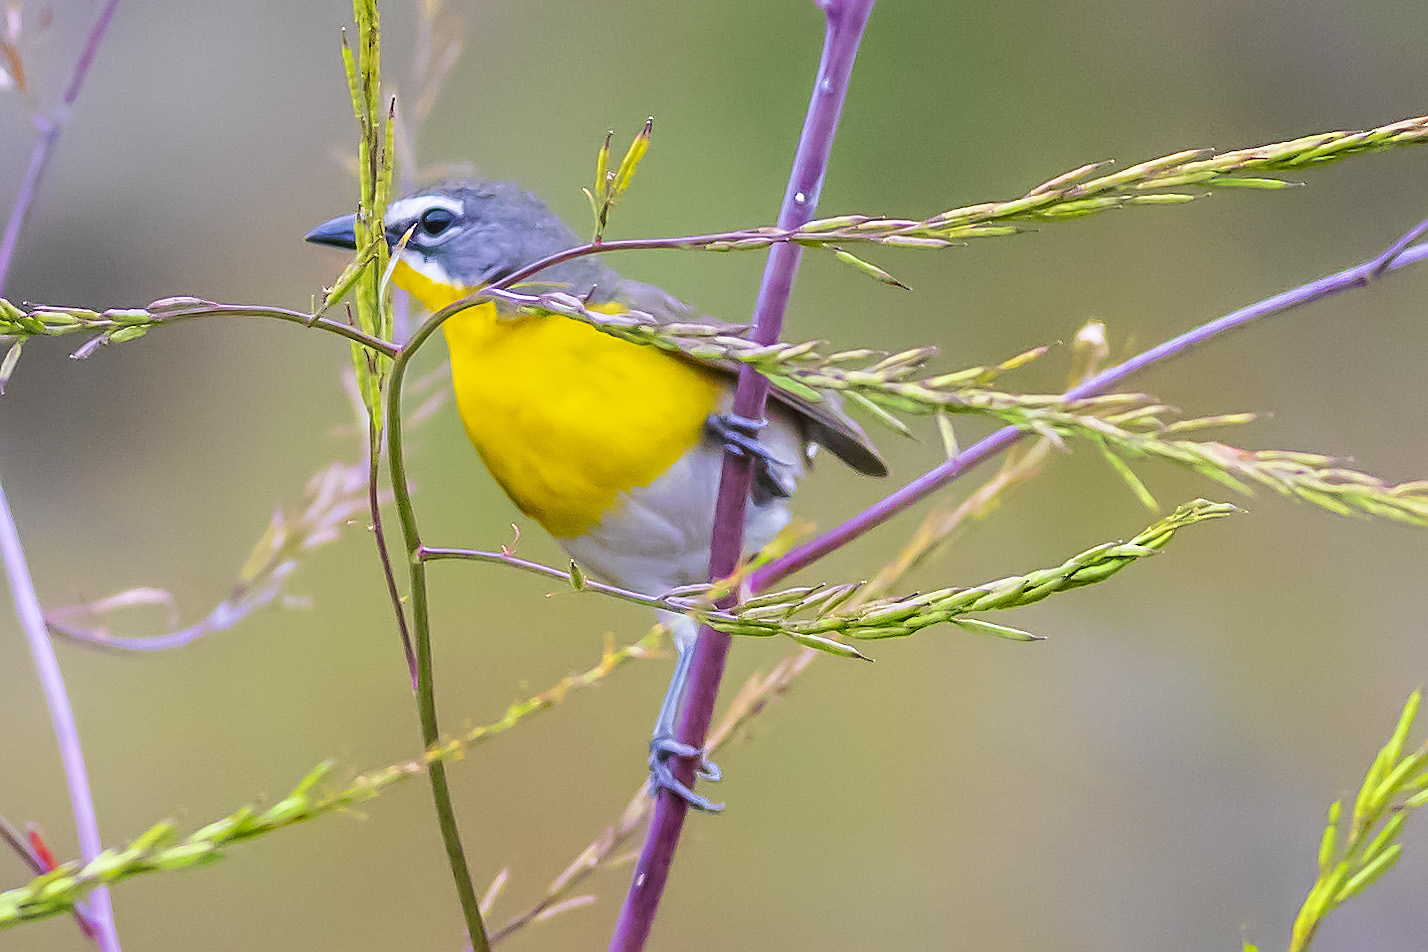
[(565, 417)]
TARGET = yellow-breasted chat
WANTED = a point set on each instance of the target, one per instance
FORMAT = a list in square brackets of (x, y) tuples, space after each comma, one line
[(615, 448)]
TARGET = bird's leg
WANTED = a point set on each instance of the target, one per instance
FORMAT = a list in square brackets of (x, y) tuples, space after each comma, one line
[(740, 435), (664, 746)]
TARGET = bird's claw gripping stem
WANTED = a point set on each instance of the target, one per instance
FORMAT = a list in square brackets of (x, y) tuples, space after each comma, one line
[(740, 436), (665, 748)]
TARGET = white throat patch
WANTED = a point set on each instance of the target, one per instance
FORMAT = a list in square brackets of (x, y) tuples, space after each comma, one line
[(429, 268)]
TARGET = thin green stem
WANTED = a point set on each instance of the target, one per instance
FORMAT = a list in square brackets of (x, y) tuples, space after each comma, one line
[(386, 348), (374, 508), (669, 602), (421, 633)]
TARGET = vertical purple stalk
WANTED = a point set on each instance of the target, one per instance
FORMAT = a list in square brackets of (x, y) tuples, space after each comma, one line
[(32, 620), (49, 129), (845, 22), (1398, 255), (22, 588)]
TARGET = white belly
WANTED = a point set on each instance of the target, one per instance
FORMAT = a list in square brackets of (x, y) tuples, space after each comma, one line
[(657, 537)]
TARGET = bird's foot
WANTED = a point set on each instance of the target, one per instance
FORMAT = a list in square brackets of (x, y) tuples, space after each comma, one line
[(740, 435), (662, 751)]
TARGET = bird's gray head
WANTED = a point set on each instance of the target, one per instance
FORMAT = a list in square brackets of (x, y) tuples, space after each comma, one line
[(472, 233)]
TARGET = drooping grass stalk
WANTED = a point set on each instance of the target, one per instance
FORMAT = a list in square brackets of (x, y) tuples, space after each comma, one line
[(845, 21), (1400, 254), (32, 621)]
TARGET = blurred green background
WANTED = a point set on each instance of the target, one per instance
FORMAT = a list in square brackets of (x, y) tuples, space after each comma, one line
[(1152, 777)]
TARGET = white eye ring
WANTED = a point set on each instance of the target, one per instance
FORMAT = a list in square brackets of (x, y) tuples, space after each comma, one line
[(418, 209)]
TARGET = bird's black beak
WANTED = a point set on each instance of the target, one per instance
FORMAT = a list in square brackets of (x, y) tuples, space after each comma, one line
[(339, 232)]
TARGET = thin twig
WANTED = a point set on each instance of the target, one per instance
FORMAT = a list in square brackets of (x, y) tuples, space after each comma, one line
[(664, 602)]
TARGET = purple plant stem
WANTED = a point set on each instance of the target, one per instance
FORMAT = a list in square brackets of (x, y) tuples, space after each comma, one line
[(1397, 256), (49, 129), (845, 21), (22, 588), (32, 620)]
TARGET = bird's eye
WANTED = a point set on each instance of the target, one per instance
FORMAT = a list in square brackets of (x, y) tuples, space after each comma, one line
[(436, 220)]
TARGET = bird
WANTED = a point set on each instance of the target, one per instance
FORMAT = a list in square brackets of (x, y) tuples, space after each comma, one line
[(615, 448)]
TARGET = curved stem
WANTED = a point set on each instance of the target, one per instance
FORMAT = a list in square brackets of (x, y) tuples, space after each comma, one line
[(845, 21), (421, 633), (209, 309), (663, 602)]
